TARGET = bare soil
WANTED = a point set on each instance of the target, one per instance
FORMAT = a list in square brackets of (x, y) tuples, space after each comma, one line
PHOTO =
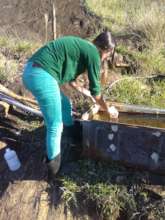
[(25, 19), (26, 193)]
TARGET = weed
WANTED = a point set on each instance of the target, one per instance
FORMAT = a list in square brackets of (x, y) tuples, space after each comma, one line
[(8, 70), (158, 94), (3, 42), (130, 91), (69, 189), (91, 186), (23, 47), (141, 18)]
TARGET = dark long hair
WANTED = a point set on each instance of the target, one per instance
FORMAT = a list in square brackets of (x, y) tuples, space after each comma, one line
[(105, 41)]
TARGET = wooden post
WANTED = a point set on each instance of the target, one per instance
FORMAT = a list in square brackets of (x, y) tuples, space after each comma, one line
[(54, 20), (46, 26)]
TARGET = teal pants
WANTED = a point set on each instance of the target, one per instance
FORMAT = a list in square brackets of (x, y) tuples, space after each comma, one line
[(55, 106)]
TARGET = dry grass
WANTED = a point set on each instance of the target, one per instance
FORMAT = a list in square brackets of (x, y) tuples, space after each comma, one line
[(13, 55), (141, 18)]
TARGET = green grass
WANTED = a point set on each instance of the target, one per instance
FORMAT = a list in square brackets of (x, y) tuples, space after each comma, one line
[(22, 47), (112, 12), (150, 62), (130, 91), (139, 28), (8, 69), (141, 91), (147, 62), (109, 191), (142, 15), (90, 186), (158, 95), (3, 42), (11, 52), (142, 18)]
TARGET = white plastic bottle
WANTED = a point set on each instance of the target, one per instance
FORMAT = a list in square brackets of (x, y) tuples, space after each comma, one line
[(12, 159), (113, 112)]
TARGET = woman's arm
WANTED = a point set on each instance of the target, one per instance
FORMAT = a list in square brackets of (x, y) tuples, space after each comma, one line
[(82, 90), (96, 99), (100, 101), (112, 111)]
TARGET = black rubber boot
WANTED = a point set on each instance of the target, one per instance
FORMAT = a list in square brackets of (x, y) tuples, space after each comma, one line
[(54, 167)]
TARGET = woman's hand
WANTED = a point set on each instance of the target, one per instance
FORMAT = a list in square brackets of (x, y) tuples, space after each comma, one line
[(100, 101), (113, 112)]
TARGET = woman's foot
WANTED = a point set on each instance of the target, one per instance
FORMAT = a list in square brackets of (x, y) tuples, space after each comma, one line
[(54, 167)]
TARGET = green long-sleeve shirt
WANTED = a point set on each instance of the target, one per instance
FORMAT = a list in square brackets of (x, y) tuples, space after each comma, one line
[(67, 57)]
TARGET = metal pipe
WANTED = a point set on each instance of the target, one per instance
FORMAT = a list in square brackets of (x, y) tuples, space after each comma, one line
[(11, 101)]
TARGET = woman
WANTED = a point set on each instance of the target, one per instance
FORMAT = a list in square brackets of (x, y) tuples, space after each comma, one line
[(58, 62)]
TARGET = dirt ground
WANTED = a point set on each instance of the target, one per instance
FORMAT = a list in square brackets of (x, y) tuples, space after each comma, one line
[(26, 193), (25, 19)]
